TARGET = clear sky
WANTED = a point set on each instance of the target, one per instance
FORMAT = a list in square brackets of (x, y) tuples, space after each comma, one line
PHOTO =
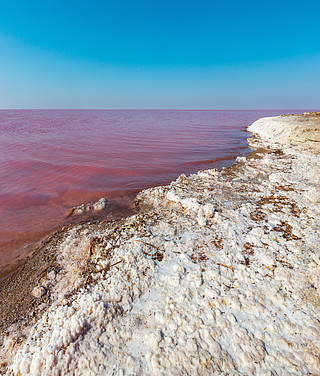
[(160, 54)]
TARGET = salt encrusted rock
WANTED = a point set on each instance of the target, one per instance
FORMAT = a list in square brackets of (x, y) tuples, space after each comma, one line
[(201, 219), (208, 174), (99, 205), (51, 275), (38, 291), (203, 212), (208, 210), (171, 196), (241, 159)]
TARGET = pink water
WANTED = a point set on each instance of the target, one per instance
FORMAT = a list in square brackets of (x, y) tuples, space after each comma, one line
[(51, 160)]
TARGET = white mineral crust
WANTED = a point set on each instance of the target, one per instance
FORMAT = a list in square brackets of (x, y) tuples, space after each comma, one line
[(221, 277)]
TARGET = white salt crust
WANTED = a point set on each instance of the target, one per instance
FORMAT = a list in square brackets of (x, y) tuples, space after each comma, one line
[(220, 278), (99, 205), (293, 130)]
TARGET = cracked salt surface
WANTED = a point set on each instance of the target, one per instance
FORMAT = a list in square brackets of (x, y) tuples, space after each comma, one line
[(221, 276)]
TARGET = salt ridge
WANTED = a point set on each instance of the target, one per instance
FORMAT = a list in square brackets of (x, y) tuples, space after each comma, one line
[(219, 276)]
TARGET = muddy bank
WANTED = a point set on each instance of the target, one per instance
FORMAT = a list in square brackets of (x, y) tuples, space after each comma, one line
[(22, 245)]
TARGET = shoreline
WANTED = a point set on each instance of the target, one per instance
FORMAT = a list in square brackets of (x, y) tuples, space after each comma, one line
[(120, 204), (236, 243)]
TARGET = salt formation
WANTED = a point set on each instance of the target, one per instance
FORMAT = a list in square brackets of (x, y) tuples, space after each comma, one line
[(290, 130), (38, 291), (99, 205), (220, 276)]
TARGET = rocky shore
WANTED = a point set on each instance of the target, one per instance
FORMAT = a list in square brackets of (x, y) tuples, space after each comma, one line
[(219, 273)]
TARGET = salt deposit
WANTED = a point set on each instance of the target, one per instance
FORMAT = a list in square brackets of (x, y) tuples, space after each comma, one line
[(99, 205), (219, 276), (290, 130), (38, 291)]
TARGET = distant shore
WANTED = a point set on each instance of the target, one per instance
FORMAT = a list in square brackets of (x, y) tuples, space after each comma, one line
[(218, 273)]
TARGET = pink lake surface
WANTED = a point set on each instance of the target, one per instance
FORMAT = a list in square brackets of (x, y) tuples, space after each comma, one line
[(52, 160)]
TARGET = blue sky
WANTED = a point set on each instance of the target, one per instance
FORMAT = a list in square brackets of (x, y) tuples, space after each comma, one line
[(160, 54)]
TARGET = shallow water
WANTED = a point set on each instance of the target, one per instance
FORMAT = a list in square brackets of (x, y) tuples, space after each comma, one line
[(51, 160)]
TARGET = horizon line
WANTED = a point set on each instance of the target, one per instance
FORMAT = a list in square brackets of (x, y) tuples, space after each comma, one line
[(157, 109)]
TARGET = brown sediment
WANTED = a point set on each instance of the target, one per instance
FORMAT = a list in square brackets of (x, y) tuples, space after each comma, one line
[(19, 308), (17, 301), (16, 252), (18, 305)]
